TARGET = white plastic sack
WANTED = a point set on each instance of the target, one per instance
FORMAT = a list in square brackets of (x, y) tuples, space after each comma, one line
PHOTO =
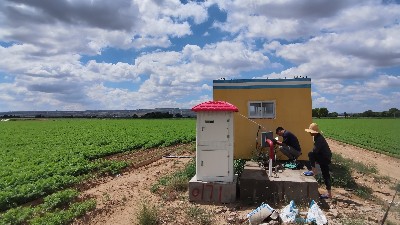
[(289, 213), (316, 215), (259, 214)]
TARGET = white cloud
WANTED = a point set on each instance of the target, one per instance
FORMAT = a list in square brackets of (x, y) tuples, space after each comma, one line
[(112, 72), (378, 93), (349, 55), (172, 75), (287, 19), (63, 82), (342, 45), (168, 17), (206, 87), (378, 47), (86, 27), (383, 82), (364, 15), (114, 98), (315, 94), (328, 86), (194, 64), (27, 59), (103, 14), (272, 46), (322, 101), (192, 10)]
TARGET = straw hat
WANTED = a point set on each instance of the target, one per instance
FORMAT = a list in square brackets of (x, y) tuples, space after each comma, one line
[(313, 129)]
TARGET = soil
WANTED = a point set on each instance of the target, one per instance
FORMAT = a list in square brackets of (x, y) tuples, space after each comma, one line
[(120, 198)]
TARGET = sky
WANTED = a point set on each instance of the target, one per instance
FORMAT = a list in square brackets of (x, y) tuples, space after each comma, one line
[(135, 54)]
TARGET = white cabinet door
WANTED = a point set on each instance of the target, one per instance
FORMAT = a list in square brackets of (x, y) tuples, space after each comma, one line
[(213, 165), (214, 130)]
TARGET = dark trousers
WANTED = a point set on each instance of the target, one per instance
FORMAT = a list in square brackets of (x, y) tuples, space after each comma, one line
[(324, 165), (290, 152)]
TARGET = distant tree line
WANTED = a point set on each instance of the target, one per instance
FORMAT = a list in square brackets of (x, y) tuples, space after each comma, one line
[(10, 116), (151, 115), (324, 112), (155, 115)]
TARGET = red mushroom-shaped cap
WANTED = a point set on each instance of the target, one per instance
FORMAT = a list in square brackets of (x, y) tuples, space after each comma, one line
[(215, 106)]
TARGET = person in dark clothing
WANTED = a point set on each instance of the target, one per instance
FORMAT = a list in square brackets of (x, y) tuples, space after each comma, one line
[(290, 145), (322, 154)]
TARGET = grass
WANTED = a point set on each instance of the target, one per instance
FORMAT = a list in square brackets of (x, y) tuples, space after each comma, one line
[(148, 215), (177, 181), (397, 187), (199, 215), (238, 166), (342, 169), (352, 221), (381, 179), (170, 186), (394, 207)]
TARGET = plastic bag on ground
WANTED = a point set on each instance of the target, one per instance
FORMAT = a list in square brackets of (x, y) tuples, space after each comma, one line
[(289, 213), (258, 215), (315, 214)]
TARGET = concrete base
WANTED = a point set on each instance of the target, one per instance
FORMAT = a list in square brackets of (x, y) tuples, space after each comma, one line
[(256, 186), (216, 192)]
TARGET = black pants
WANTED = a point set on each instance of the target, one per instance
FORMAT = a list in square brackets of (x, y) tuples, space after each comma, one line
[(324, 165)]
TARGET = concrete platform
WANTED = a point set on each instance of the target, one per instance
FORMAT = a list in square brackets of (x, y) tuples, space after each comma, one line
[(257, 187), (214, 192)]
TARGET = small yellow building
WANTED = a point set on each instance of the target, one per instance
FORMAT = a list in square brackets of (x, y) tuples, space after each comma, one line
[(270, 103)]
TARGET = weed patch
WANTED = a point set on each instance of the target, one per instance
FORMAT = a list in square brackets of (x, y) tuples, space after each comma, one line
[(199, 215), (238, 166), (148, 215), (342, 169), (178, 181)]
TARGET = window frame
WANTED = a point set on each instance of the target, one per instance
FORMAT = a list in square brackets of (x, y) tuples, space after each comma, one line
[(260, 114)]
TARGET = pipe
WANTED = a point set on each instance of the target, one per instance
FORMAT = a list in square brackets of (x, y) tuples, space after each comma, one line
[(271, 155), (177, 156)]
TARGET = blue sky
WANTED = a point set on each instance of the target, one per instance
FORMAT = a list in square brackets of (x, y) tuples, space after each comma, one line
[(132, 54)]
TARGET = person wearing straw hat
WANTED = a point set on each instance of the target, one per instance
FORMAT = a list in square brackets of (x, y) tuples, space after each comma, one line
[(322, 154)]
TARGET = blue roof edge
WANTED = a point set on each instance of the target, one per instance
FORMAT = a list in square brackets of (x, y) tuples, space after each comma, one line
[(260, 80)]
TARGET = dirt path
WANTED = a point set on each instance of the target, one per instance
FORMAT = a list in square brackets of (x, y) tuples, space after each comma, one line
[(386, 165), (119, 198)]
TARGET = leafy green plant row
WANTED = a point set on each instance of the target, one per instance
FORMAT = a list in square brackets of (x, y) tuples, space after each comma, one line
[(57, 208), (380, 135), (38, 158)]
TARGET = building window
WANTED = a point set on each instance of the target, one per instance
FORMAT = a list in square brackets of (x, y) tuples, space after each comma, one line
[(262, 109)]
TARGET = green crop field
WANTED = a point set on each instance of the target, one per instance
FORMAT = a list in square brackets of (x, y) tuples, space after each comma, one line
[(39, 157), (380, 135)]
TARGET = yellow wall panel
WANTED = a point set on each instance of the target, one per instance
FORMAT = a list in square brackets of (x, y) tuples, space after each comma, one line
[(293, 110)]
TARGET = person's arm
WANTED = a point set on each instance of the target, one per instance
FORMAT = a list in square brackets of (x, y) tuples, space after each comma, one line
[(283, 142)]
